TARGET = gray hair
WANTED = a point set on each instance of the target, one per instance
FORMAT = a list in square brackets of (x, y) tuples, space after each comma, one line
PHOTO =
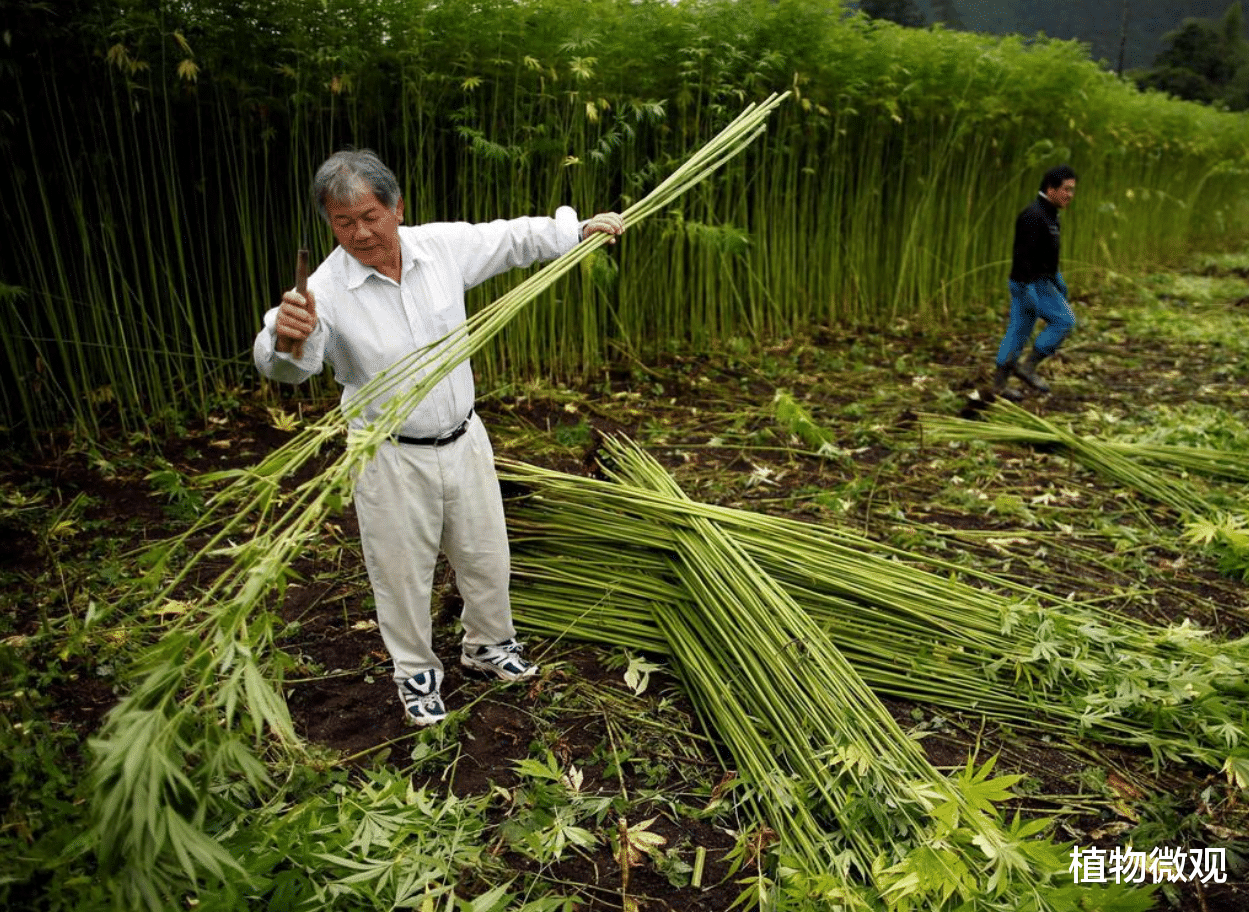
[(348, 175)]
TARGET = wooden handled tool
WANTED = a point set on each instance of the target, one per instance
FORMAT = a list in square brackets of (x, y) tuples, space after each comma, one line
[(301, 286)]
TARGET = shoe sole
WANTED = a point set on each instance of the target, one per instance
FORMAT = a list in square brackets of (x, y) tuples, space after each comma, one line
[(495, 671), (422, 723)]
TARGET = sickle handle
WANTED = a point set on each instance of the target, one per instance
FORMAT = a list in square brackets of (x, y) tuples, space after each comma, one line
[(301, 286)]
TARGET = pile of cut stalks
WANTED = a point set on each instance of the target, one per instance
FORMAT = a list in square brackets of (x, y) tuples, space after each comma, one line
[(785, 635)]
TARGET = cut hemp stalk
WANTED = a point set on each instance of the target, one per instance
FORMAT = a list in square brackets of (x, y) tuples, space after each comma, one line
[(1120, 462)]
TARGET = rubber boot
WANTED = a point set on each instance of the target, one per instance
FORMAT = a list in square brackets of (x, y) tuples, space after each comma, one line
[(1025, 370), (1001, 377)]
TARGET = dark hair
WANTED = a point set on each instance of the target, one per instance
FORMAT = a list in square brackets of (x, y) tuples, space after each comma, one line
[(1054, 177), (350, 174)]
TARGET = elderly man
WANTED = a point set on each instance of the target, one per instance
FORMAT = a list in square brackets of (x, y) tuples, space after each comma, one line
[(1037, 289), (386, 291)]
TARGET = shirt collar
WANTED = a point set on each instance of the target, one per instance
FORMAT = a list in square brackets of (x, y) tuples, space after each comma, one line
[(358, 273)]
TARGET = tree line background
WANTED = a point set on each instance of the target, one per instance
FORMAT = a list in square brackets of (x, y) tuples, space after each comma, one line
[(1195, 50), (160, 155)]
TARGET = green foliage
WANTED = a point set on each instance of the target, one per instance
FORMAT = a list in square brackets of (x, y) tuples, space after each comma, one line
[(321, 839), (41, 778), (1228, 536), (161, 157), (1200, 426), (194, 741), (1205, 61), (184, 501), (327, 842), (574, 436), (1077, 670), (545, 816), (795, 419)]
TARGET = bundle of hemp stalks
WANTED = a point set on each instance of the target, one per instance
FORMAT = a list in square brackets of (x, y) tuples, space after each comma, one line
[(1119, 461), (1225, 531), (593, 557), (861, 815)]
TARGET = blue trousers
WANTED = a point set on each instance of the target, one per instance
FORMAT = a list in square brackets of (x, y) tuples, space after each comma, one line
[(1044, 299)]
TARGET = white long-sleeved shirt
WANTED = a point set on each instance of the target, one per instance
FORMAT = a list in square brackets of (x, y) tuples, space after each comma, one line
[(366, 322)]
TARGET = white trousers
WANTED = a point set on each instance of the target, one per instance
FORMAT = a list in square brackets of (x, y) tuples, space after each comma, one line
[(411, 503)]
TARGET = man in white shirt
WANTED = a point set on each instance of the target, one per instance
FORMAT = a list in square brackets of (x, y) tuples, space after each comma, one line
[(386, 291)]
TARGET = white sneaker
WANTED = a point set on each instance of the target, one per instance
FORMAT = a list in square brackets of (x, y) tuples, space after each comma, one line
[(503, 661), (422, 704)]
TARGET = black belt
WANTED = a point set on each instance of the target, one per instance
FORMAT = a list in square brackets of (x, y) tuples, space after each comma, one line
[(449, 437)]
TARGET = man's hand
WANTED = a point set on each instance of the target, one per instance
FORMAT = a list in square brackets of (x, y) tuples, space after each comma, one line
[(297, 318), (609, 223)]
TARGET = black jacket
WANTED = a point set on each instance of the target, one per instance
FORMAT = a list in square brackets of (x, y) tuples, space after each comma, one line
[(1036, 242)]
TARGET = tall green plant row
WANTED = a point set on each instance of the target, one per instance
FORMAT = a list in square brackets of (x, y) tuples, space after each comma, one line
[(161, 155)]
